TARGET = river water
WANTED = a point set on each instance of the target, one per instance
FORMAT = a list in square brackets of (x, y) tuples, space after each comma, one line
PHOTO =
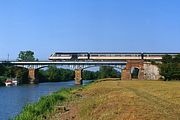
[(14, 98)]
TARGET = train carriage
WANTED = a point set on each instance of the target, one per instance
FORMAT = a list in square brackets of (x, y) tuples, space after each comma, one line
[(114, 56), (106, 56)]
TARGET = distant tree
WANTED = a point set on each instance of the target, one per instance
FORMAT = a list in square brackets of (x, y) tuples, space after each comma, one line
[(42, 75), (167, 59), (53, 74), (107, 72), (166, 70), (89, 75), (170, 67), (2, 70), (177, 58), (26, 56), (21, 74)]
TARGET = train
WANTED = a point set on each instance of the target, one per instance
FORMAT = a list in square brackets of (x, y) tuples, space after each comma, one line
[(106, 56)]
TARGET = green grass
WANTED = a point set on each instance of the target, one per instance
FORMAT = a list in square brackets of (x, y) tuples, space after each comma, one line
[(44, 106), (112, 99)]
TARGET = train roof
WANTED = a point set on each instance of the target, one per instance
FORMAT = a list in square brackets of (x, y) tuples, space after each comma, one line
[(116, 53), (71, 52), (160, 53)]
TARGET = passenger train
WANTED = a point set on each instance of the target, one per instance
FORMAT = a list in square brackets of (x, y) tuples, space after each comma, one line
[(105, 56)]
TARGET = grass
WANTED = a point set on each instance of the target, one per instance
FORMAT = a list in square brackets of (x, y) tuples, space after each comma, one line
[(125, 100), (110, 99), (41, 109)]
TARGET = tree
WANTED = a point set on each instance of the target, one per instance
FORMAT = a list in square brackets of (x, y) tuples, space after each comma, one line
[(89, 75), (177, 59), (53, 74), (26, 56), (166, 70), (107, 72), (170, 67), (167, 59), (2, 70)]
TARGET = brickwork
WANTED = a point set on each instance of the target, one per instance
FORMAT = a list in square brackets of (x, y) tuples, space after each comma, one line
[(32, 75), (126, 73), (78, 76)]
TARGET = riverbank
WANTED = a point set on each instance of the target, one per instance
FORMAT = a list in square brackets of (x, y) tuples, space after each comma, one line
[(44, 106), (114, 99)]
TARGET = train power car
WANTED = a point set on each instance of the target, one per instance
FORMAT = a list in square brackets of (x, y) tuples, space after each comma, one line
[(62, 56)]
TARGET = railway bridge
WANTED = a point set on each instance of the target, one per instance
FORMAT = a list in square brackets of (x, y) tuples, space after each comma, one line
[(78, 66)]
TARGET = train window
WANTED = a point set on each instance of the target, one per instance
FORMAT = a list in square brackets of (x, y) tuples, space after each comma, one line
[(82, 55), (94, 55), (55, 55), (64, 55), (102, 55), (117, 55), (113, 55)]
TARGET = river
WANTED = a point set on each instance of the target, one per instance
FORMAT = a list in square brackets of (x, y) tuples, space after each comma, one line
[(14, 98)]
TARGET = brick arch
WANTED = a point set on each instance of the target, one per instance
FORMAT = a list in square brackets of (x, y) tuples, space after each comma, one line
[(126, 73)]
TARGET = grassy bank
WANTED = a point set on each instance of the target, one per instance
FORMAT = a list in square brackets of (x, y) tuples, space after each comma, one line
[(110, 99), (46, 105), (124, 100)]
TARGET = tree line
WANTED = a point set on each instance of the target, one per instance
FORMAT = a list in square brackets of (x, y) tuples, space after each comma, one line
[(170, 67)]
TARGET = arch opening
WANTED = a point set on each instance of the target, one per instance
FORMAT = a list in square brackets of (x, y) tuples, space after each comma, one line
[(135, 73)]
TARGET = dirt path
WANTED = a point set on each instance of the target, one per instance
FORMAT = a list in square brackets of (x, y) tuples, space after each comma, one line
[(124, 100)]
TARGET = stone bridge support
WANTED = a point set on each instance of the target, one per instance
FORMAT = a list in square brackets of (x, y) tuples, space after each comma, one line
[(151, 71), (32, 75), (78, 76), (126, 73)]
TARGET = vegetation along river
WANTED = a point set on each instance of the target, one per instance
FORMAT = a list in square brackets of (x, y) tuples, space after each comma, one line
[(14, 98)]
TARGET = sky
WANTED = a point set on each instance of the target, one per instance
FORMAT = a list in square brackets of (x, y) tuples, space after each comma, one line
[(47, 26)]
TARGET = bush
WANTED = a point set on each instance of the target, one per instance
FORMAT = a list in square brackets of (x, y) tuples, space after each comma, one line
[(2, 80), (39, 110)]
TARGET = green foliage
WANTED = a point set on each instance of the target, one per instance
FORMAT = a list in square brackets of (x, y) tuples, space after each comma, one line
[(2, 70), (89, 75), (167, 59), (170, 67), (107, 72), (2, 80), (21, 74), (44, 106), (26, 56), (53, 74)]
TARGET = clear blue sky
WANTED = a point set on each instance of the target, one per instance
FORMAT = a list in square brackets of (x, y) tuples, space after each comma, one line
[(46, 26)]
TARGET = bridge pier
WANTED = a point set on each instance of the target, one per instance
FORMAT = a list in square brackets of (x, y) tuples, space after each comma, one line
[(78, 76), (32, 75), (126, 73)]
